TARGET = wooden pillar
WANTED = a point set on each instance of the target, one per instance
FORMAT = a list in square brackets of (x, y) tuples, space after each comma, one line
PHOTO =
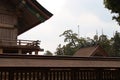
[(1, 51), (30, 52), (117, 74), (99, 75), (19, 51), (36, 52), (11, 75)]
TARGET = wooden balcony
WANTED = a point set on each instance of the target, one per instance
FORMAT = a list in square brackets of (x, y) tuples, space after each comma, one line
[(5, 42), (19, 46)]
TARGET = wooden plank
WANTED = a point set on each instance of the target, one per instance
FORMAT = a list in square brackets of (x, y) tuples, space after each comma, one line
[(6, 25)]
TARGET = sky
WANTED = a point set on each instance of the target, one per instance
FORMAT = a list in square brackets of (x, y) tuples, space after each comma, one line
[(89, 15)]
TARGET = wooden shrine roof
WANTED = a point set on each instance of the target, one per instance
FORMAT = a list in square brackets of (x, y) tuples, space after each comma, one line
[(30, 13), (57, 61), (91, 51)]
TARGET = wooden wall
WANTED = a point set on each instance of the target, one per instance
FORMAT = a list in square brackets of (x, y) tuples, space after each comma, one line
[(8, 34), (8, 21)]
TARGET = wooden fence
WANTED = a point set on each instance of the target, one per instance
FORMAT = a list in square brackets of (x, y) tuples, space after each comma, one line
[(59, 74)]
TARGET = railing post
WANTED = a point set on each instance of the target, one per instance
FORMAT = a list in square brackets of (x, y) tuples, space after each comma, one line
[(117, 74), (37, 42), (36, 52), (99, 74), (19, 51), (73, 74), (19, 41), (11, 75), (1, 51)]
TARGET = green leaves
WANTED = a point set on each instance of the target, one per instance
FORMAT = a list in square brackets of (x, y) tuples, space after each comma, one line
[(114, 6), (73, 43), (116, 45)]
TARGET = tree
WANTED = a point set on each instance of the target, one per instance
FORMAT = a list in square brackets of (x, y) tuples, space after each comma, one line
[(114, 6), (73, 43), (48, 53), (104, 42), (70, 37), (116, 45), (59, 50)]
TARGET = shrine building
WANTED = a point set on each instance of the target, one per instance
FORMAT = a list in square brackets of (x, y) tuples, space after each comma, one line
[(19, 16)]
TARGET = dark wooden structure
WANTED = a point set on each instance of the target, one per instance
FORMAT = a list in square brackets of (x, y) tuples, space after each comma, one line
[(29, 67), (18, 73), (16, 17)]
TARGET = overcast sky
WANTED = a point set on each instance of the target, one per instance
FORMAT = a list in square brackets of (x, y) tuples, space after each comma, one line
[(90, 15)]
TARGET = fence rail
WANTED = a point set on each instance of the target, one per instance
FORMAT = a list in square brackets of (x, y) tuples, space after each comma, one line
[(59, 74), (5, 42)]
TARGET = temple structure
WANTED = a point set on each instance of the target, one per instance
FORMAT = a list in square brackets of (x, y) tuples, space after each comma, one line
[(16, 17)]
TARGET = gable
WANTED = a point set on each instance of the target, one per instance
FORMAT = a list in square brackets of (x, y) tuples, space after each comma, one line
[(99, 51), (90, 52)]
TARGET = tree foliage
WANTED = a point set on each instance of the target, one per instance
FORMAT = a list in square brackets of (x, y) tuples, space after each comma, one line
[(71, 46), (114, 6), (73, 43), (70, 37), (48, 53), (116, 45)]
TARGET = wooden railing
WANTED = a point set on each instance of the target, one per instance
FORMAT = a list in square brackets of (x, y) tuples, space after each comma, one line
[(5, 42), (59, 74), (28, 42)]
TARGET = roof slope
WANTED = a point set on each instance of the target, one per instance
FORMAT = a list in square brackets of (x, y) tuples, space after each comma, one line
[(91, 51), (30, 13), (57, 61)]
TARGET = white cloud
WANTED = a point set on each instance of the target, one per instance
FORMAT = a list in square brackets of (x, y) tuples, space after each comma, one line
[(52, 5), (89, 18)]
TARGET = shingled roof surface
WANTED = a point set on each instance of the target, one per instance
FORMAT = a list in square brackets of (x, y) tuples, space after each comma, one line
[(31, 13), (57, 61), (90, 51)]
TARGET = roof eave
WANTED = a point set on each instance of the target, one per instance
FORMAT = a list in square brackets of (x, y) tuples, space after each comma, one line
[(40, 13)]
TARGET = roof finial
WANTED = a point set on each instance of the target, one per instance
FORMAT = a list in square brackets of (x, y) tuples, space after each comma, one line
[(102, 31), (96, 37), (113, 33), (78, 32), (96, 32)]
